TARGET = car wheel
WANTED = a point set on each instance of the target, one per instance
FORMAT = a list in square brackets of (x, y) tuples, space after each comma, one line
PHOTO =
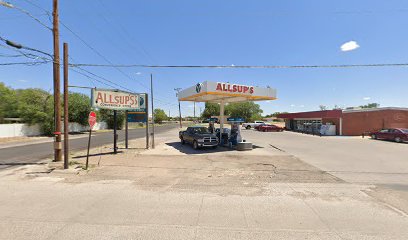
[(397, 139), (182, 141), (195, 145), (374, 136), (248, 127)]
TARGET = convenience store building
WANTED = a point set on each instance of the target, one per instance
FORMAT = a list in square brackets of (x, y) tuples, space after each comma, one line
[(351, 122)]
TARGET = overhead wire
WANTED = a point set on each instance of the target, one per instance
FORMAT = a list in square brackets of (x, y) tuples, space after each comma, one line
[(243, 66)]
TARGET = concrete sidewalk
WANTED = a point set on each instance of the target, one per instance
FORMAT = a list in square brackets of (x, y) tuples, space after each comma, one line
[(169, 193)]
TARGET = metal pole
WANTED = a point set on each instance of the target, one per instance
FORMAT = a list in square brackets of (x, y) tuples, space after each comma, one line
[(66, 130), (147, 121), (194, 110), (181, 125), (115, 123), (151, 92), (222, 104), (89, 146), (56, 75), (126, 131)]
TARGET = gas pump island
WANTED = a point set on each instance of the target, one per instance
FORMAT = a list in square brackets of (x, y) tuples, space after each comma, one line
[(222, 93)]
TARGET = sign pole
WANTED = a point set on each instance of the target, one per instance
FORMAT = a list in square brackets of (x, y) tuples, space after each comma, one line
[(89, 145), (91, 121), (115, 150), (127, 131), (66, 129), (151, 89), (147, 121)]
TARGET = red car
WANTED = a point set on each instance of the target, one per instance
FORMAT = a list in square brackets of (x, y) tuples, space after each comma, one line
[(270, 128), (394, 134), (260, 125)]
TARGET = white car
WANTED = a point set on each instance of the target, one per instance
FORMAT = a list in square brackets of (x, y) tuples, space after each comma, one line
[(253, 125)]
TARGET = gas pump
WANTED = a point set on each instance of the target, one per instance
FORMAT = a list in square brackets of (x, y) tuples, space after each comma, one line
[(211, 126), (235, 136)]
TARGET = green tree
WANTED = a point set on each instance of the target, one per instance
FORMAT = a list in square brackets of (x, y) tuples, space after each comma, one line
[(248, 110), (107, 116), (8, 102), (211, 109), (36, 106), (79, 106), (322, 107), (371, 105), (159, 115)]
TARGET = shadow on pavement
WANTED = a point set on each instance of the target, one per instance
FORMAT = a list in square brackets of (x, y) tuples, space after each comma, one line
[(188, 148), (20, 164), (97, 154)]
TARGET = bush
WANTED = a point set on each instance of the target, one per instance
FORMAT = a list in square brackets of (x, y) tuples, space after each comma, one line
[(159, 115), (107, 116)]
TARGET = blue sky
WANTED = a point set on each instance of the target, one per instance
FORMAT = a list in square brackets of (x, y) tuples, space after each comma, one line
[(262, 32)]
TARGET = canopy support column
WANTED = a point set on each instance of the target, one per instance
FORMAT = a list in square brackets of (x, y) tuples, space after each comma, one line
[(222, 104)]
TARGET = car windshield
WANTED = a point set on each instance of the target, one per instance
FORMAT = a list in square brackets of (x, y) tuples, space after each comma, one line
[(200, 130), (404, 130)]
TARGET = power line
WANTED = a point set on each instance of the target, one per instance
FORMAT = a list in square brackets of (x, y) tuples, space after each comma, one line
[(24, 63), (30, 15), (242, 66)]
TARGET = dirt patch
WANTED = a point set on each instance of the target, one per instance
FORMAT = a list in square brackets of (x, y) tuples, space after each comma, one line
[(224, 175)]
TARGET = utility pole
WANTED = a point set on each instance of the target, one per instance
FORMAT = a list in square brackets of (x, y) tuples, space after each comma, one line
[(56, 75), (151, 89), (178, 90), (66, 129)]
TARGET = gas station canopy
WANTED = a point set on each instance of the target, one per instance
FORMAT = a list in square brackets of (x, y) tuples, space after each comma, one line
[(218, 92)]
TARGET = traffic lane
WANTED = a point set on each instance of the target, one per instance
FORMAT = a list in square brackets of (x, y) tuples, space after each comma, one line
[(30, 154), (353, 159)]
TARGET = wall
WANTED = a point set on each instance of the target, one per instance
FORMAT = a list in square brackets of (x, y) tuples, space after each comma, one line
[(21, 129), (356, 123)]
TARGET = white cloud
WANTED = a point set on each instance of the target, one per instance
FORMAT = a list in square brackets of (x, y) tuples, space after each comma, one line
[(22, 80), (349, 46), (366, 98), (138, 73), (302, 106), (268, 101), (292, 105)]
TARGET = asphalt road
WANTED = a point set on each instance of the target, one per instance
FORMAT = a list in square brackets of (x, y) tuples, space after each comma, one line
[(33, 153)]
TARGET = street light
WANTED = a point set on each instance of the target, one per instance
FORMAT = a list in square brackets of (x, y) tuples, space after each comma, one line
[(178, 90), (6, 4)]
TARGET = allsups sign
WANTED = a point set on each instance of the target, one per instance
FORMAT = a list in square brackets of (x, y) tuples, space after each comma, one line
[(115, 100)]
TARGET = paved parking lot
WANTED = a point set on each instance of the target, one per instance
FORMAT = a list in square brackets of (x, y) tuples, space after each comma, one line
[(353, 159), (174, 192)]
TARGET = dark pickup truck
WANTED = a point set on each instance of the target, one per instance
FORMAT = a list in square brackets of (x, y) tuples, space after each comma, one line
[(199, 137)]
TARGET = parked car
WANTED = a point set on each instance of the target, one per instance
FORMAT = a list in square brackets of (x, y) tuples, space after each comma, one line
[(270, 128), (393, 134), (199, 137), (252, 125), (257, 127)]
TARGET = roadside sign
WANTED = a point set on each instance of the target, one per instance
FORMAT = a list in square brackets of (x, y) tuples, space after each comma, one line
[(236, 119), (116, 100), (136, 117), (92, 119)]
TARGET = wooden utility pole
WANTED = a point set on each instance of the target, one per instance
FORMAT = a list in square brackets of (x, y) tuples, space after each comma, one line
[(151, 92), (56, 73), (66, 128)]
